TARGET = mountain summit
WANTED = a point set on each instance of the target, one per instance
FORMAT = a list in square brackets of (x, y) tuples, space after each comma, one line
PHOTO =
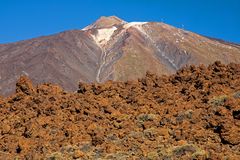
[(109, 49), (105, 22)]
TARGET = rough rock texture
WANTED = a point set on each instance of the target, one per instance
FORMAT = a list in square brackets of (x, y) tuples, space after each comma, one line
[(109, 49), (193, 114)]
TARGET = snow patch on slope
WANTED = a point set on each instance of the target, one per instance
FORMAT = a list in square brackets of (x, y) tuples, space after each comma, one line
[(131, 24), (104, 35)]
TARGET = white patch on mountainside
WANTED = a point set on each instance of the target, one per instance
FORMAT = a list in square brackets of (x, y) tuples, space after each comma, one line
[(103, 35), (128, 25)]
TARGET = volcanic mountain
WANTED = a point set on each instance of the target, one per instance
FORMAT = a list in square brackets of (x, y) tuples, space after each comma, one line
[(109, 49)]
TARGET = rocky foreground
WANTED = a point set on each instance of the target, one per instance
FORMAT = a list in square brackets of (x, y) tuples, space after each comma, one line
[(193, 114)]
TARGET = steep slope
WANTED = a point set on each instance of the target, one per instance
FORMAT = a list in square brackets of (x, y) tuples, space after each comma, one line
[(65, 59), (109, 49)]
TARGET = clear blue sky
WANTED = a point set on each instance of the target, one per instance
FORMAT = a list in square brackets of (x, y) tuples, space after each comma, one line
[(24, 19)]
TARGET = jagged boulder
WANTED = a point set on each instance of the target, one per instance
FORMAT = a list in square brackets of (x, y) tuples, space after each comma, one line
[(24, 85)]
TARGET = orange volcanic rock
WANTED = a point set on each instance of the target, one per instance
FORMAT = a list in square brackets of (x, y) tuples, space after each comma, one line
[(24, 85), (193, 114)]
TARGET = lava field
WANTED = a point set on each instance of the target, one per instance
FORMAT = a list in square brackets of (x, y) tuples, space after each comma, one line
[(193, 114)]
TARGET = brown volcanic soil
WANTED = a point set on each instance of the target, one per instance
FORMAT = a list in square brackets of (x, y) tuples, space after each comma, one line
[(193, 114)]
